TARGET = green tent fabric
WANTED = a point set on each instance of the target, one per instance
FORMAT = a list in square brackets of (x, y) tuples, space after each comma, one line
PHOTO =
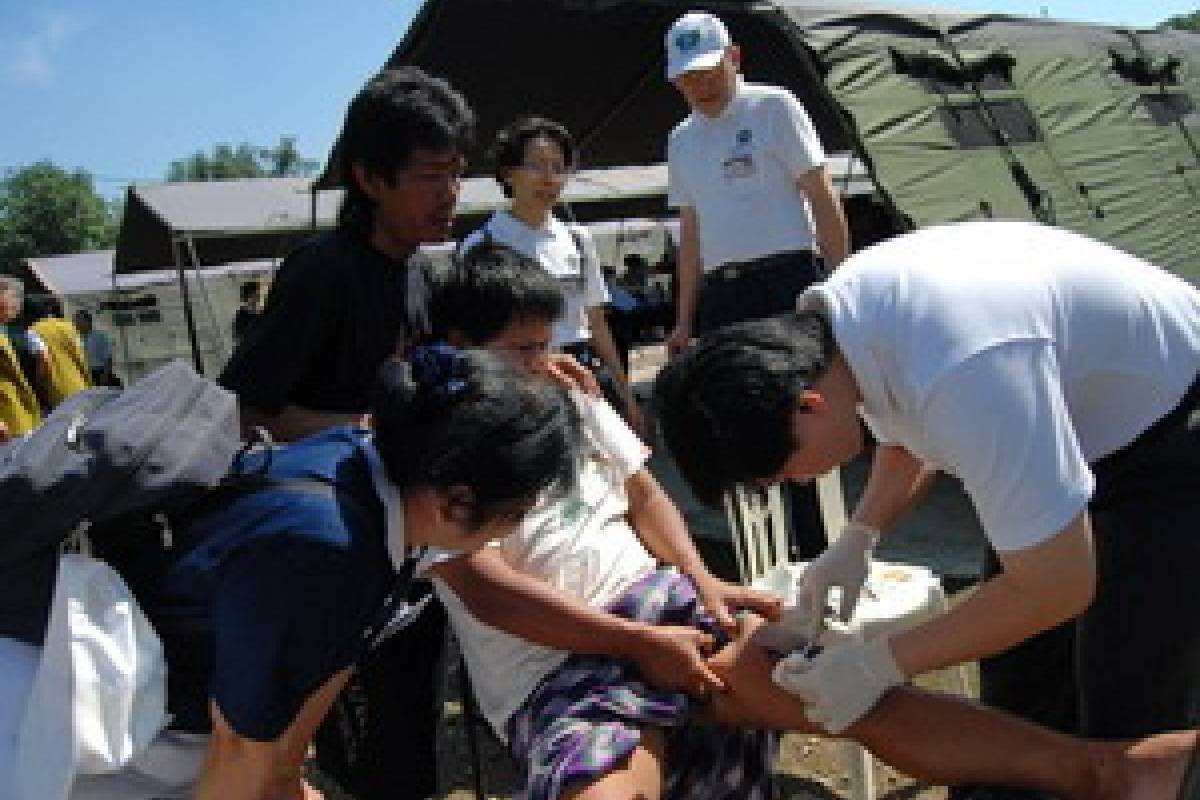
[(958, 116)]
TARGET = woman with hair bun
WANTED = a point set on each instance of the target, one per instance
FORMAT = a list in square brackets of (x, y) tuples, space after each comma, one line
[(266, 603)]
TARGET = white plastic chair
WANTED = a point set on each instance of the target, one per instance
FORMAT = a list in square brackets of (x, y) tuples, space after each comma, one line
[(895, 597)]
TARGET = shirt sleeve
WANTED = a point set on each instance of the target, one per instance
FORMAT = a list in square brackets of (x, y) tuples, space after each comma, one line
[(283, 626), (269, 363), (611, 436), (678, 194), (595, 292), (796, 142), (1000, 423)]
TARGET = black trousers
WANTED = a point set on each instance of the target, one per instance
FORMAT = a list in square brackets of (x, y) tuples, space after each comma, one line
[(769, 286), (1130, 664), (379, 741)]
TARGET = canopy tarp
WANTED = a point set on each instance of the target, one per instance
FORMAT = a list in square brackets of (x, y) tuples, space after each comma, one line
[(956, 115), (92, 272)]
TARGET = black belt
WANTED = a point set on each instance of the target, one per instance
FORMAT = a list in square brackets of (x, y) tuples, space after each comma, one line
[(735, 270)]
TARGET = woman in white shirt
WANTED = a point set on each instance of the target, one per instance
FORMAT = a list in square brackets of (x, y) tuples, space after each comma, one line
[(534, 158)]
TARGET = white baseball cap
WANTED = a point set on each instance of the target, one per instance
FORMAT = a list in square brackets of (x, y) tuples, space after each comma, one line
[(695, 41)]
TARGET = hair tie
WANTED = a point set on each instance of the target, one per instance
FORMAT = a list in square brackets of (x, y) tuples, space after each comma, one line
[(439, 370)]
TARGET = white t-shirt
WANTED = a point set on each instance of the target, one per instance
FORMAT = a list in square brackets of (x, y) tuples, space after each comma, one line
[(1012, 355), (554, 248), (739, 172), (579, 543)]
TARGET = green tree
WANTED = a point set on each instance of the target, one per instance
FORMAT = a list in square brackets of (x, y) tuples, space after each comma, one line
[(227, 162), (46, 210), (1183, 22)]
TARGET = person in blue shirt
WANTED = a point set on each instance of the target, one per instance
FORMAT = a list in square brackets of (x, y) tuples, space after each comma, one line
[(266, 603)]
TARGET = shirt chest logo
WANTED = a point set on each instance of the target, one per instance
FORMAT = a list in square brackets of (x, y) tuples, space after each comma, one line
[(741, 163)]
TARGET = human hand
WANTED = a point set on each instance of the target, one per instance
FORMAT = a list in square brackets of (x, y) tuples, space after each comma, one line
[(845, 563), (679, 339), (841, 684), (674, 657), (723, 600), (563, 369)]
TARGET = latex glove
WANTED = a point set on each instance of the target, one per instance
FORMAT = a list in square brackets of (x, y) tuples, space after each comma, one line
[(841, 684), (845, 563)]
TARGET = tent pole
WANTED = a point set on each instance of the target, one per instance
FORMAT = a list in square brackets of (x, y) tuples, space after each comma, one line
[(176, 247)]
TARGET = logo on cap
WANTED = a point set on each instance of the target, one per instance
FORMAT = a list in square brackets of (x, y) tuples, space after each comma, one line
[(687, 40)]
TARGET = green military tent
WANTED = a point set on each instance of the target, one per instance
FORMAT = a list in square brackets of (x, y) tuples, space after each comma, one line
[(957, 116)]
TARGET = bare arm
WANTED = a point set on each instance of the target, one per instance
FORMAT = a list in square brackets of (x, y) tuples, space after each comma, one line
[(1040, 587), (663, 530), (606, 348), (687, 279), (237, 768), (522, 605), (829, 219)]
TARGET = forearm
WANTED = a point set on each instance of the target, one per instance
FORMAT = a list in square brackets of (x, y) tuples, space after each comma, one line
[(606, 349), (896, 482), (532, 610), (1040, 587), (829, 219), (660, 525), (833, 234), (687, 269)]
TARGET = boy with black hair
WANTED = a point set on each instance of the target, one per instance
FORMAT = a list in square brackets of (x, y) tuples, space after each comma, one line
[(611, 688), (1057, 378)]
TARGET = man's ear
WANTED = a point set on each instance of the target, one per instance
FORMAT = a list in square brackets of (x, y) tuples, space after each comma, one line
[(735, 56), (368, 183), (810, 400), (455, 502)]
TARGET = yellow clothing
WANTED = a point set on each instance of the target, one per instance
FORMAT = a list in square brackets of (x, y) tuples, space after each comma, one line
[(68, 364), (19, 408)]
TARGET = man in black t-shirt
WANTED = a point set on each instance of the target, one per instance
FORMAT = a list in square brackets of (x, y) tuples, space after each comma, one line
[(340, 304)]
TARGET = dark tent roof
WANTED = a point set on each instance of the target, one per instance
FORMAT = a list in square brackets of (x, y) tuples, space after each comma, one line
[(225, 221), (957, 115), (597, 67)]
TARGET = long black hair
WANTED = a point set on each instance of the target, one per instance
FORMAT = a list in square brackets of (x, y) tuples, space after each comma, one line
[(465, 418)]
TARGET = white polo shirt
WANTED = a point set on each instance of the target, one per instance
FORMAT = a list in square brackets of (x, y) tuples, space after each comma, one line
[(1012, 355), (739, 173), (553, 246)]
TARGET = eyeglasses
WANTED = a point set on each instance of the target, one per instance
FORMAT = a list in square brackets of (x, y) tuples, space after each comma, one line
[(557, 170)]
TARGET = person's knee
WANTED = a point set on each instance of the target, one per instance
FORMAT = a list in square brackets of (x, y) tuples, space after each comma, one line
[(638, 777)]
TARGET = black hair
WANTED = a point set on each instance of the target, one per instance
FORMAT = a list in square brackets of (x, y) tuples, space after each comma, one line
[(486, 288), (43, 306), (397, 112), (466, 418), (508, 148), (726, 404)]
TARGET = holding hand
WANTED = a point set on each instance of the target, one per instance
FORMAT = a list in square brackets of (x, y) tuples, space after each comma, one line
[(842, 683), (845, 564), (723, 600), (674, 658)]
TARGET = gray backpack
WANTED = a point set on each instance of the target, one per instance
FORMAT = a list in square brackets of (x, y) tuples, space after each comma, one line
[(105, 462)]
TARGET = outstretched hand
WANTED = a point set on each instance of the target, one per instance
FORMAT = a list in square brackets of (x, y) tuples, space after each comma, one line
[(723, 600)]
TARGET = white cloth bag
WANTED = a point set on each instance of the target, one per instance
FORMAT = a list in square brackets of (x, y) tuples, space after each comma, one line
[(99, 696)]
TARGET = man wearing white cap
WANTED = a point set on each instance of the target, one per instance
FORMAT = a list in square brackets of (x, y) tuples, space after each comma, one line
[(748, 175)]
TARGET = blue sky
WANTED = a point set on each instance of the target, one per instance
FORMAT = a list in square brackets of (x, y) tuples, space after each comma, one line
[(123, 87)]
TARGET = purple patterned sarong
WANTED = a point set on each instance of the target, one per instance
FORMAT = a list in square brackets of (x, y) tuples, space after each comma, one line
[(588, 715)]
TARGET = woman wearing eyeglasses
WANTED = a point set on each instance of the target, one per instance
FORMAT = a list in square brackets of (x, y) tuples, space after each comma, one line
[(534, 158)]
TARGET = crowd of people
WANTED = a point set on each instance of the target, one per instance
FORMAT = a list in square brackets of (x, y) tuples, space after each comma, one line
[(485, 465)]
